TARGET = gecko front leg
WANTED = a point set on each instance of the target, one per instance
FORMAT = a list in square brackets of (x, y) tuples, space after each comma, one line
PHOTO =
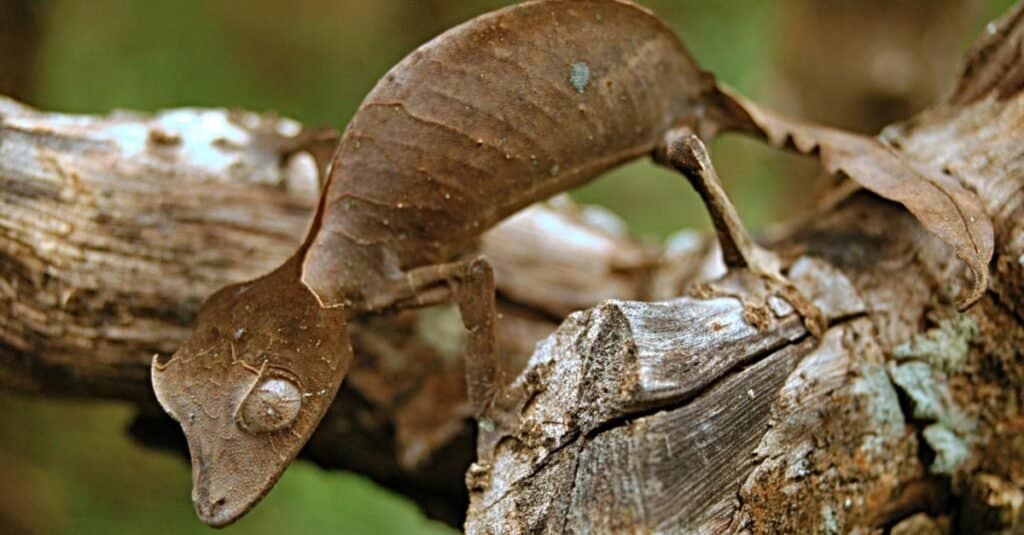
[(473, 292), (683, 151), (469, 284)]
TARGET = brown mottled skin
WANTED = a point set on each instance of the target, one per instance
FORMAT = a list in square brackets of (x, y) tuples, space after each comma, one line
[(493, 115)]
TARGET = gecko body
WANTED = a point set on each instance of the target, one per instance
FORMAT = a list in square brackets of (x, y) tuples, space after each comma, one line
[(500, 112)]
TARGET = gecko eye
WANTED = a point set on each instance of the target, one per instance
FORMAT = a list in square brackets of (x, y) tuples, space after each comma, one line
[(272, 406)]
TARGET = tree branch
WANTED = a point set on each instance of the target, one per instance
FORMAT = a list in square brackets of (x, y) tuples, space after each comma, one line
[(114, 229), (708, 411)]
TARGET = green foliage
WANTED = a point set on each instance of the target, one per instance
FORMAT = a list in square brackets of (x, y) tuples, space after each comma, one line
[(79, 472)]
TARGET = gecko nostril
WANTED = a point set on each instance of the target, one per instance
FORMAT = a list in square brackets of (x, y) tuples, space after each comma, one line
[(210, 508)]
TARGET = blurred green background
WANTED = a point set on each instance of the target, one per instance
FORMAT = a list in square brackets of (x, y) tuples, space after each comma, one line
[(68, 466)]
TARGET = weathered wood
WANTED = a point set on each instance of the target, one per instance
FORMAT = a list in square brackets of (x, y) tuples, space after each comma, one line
[(904, 406), (114, 229), (709, 412)]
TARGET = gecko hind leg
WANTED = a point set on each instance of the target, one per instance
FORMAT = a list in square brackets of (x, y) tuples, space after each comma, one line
[(683, 151)]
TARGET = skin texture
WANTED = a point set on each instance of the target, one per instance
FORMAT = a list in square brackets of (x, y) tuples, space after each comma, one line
[(493, 115)]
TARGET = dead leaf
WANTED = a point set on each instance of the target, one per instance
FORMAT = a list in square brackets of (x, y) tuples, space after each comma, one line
[(937, 200)]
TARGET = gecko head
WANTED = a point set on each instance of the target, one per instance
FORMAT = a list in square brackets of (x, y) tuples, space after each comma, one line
[(250, 385)]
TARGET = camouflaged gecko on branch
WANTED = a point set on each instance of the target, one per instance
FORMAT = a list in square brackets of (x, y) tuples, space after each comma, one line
[(495, 114)]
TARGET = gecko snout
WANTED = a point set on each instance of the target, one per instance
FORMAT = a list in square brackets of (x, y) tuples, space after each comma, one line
[(215, 511), (210, 505)]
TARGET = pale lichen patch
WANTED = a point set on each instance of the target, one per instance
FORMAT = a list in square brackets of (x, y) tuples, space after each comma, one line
[(931, 399), (882, 405), (945, 346), (579, 76), (830, 523), (927, 396), (950, 449)]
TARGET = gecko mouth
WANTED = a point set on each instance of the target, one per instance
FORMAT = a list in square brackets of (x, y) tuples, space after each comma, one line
[(224, 486), (217, 513)]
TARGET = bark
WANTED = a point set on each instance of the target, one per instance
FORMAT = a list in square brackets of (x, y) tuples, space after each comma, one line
[(718, 412), (114, 229), (711, 411)]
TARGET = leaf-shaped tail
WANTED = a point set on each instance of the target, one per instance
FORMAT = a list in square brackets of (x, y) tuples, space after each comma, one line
[(937, 200)]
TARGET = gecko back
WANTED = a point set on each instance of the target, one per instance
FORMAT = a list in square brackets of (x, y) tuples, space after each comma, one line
[(493, 115)]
